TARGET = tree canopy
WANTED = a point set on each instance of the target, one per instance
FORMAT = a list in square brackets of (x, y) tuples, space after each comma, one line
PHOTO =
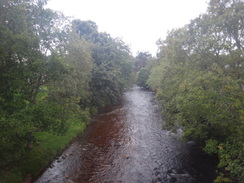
[(199, 81), (53, 73)]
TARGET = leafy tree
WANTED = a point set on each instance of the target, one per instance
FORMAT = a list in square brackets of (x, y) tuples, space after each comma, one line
[(141, 60), (112, 60), (201, 83), (143, 63), (142, 77), (51, 71), (28, 35)]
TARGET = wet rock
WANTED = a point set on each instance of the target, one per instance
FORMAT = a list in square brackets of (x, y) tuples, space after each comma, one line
[(87, 147), (52, 166), (90, 144), (64, 156), (191, 143), (177, 174), (126, 157), (172, 134), (175, 171), (179, 132), (116, 144)]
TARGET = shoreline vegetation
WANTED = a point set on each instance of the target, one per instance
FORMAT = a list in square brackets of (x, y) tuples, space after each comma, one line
[(56, 72), (36, 160), (198, 78)]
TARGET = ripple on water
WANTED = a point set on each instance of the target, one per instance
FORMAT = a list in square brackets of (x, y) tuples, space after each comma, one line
[(126, 144)]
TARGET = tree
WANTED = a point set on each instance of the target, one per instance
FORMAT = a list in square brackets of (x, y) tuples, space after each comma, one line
[(112, 60), (201, 83), (141, 60), (29, 37)]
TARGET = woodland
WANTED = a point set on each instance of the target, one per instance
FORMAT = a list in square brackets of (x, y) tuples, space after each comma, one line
[(198, 78), (56, 72)]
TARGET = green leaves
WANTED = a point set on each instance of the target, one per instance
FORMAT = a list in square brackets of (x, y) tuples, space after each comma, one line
[(12, 133), (29, 37), (142, 77), (199, 82), (52, 73), (112, 67), (231, 160)]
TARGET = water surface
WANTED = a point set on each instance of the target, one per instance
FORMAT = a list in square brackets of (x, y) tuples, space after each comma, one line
[(126, 144)]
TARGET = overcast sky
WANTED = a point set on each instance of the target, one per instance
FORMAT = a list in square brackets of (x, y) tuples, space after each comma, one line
[(140, 23)]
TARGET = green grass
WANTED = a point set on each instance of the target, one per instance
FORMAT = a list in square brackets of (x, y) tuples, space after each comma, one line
[(36, 159)]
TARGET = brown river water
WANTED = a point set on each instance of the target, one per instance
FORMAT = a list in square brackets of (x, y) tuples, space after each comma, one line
[(126, 144)]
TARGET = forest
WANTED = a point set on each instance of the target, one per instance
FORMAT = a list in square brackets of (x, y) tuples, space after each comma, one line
[(56, 72)]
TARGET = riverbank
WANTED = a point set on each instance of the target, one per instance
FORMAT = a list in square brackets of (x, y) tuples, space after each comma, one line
[(34, 161), (127, 144)]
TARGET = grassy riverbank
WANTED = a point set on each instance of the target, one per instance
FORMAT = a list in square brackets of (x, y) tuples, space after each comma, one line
[(44, 151)]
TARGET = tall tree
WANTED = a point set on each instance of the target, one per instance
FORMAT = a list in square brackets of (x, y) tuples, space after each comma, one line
[(201, 83), (28, 38), (141, 60), (112, 64)]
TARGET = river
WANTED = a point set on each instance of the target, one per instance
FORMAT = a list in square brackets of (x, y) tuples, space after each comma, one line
[(126, 144)]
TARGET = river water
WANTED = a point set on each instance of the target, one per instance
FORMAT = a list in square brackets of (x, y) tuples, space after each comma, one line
[(126, 144)]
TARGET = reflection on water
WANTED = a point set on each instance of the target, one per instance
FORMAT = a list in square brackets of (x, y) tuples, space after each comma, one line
[(126, 144)]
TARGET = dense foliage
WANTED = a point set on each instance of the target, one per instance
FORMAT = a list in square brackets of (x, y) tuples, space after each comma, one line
[(112, 69), (143, 63), (199, 81), (53, 73)]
